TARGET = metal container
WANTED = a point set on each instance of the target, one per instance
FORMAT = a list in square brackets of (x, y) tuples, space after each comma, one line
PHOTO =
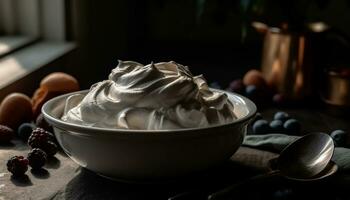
[(337, 90), (287, 64)]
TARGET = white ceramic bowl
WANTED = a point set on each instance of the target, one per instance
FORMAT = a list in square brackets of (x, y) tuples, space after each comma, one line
[(143, 155)]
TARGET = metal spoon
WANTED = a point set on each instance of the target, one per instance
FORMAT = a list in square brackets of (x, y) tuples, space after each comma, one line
[(306, 159)]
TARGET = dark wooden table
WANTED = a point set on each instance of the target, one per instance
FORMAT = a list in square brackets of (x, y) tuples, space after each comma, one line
[(63, 179)]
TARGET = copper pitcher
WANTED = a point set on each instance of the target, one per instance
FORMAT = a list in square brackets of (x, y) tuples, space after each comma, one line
[(287, 62)]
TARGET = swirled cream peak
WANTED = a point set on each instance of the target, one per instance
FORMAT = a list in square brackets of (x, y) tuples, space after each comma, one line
[(152, 97)]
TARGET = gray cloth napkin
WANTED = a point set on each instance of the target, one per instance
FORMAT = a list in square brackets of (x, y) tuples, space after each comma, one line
[(277, 142)]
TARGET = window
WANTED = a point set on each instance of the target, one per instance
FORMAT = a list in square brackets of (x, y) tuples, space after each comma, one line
[(32, 34), (19, 24), (24, 21)]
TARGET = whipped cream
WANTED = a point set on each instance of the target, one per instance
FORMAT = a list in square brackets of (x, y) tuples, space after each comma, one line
[(153, 97)]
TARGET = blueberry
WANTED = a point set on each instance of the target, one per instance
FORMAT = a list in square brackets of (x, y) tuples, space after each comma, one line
[(261, 127), (251, 91), (282, 116), (339, 138), (277, 126), (24, 131), (237, 86), (215, 85), (292, 126)]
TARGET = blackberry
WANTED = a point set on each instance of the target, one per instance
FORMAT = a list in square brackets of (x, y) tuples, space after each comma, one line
[(38, 138), (17, 165), (37, 158), (25, 130), (50, 148), (6, 134)]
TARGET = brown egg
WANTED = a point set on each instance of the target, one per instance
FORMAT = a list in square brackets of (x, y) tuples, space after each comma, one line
[(53, 85), (254, 77), (60, 82), (40, 96), (15, 109)]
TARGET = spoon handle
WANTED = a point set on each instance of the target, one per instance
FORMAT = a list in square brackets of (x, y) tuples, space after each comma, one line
[(226, 192)]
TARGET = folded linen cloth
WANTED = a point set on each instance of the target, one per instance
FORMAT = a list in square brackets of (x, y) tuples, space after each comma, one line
[(277, 142)]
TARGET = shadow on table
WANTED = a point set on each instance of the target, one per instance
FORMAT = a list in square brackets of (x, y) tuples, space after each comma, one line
[(21, 181), (6, 146), (53, 163), (40, 173), (88, 185)]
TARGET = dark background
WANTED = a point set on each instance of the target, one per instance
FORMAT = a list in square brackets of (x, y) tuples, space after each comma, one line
[(164, 30)]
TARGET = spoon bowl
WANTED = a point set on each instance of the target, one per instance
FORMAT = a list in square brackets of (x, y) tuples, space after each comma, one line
[(306, 157), (330, 169)]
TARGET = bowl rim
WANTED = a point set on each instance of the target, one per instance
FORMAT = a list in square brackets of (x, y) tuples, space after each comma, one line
[(252, 110)]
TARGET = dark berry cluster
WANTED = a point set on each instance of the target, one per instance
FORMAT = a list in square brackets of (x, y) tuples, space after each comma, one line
[(38, 138), (17, 165), (42, 147), (42, 139), (26, 129), (37, 158), (281, 123), (254, 86)]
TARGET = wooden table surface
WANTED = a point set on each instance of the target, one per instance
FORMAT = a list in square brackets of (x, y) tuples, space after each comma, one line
[(63, 179)]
